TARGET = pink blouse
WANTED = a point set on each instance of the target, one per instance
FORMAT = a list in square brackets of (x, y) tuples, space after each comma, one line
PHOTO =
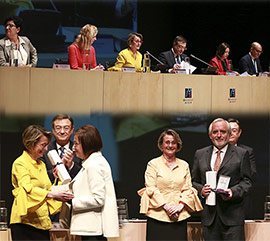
[(75, 57)]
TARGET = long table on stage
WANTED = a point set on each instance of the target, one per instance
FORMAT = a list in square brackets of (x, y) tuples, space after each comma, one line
[(41, 90)]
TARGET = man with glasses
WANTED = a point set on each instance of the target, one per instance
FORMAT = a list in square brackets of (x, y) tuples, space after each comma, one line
[(62, 127), (251, 63), (175, 56)]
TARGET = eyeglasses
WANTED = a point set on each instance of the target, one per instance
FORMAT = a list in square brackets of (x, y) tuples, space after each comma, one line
[(181, 47), (258, 51), (65, 128), (10, 25)]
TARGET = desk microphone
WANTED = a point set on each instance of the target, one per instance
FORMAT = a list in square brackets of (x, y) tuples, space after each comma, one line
[(154, 58), (210, 69), (191, 55)]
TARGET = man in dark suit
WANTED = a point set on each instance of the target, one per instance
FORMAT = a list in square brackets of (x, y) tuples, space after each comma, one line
[(250, 62), (175, 56), (62, 127), (235, 135), (225, 220)]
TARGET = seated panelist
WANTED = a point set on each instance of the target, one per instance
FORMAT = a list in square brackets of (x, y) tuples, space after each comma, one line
[(16, 48), (81, 54), (174, 57), (130, 57), (221, 59)]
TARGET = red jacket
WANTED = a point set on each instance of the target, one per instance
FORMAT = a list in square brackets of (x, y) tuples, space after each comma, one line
[(75, 57), (216, 62)]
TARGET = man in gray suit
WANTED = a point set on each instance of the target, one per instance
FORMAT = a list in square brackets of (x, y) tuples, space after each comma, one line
[(225, 220)]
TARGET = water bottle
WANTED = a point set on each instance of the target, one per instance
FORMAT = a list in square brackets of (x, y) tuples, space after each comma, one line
[(13, 55), (267, 209), (86, 59), (146, 63), (3, 216)]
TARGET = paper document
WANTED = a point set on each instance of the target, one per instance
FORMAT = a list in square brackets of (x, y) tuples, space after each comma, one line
[(211, 179), (61, 169), (188, 66)]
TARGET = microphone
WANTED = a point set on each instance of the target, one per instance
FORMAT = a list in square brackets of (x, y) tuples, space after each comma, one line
[(154, 58), (160, 66), (210, 69), (191, 55)]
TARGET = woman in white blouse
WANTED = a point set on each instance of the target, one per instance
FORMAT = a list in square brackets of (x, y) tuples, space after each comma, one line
[(13, 46), (94, 208)]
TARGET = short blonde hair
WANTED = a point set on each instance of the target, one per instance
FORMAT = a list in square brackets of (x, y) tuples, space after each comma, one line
[(32, 134), (131, 37), (171, 133), (87, 33)]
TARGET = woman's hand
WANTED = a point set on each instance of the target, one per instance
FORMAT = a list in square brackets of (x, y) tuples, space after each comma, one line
[(55, 172), (173, 211), (99, 67), (62, 196)]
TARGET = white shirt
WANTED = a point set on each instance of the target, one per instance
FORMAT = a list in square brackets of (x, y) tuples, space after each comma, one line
[(19, 54)]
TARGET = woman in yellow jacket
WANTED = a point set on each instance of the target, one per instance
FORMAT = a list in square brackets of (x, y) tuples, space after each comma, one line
[(130, 57), (33, 200), (168, 197)]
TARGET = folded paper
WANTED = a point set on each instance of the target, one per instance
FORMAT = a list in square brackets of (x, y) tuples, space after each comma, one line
[(61, 169)]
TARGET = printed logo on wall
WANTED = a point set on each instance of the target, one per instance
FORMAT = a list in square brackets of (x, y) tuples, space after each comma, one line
[(232, 95), (188, 96)]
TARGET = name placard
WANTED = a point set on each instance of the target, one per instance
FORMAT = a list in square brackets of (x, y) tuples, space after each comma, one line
[(128, 69)]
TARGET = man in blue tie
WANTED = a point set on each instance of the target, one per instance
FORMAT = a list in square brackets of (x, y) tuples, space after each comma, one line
[(175, 55), (251, 63), (62, 127)]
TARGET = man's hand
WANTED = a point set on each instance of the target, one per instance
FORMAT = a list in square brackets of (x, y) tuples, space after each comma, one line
[(68, 158), (226, 198), (176, 66), (206, 190)]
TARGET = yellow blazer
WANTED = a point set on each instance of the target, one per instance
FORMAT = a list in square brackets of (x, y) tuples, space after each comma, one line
[(31, 186), (126, 59), (164, 185)]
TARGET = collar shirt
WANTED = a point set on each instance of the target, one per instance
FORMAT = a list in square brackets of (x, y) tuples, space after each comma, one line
[(65, 146), (19, 54), (177, 58), (254, 63), (214, 155)]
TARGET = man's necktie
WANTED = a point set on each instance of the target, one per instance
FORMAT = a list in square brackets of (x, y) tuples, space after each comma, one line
[(218, 161), (62, 151), (178, 61), (254, 65)]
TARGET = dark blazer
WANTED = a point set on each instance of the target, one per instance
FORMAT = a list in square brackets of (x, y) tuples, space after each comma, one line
[(74, 170), (246, 64), (253, 168), (236, 165), (167, 58)]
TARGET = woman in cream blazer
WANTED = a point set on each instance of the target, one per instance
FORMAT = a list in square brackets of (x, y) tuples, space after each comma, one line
[(94, 208)]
